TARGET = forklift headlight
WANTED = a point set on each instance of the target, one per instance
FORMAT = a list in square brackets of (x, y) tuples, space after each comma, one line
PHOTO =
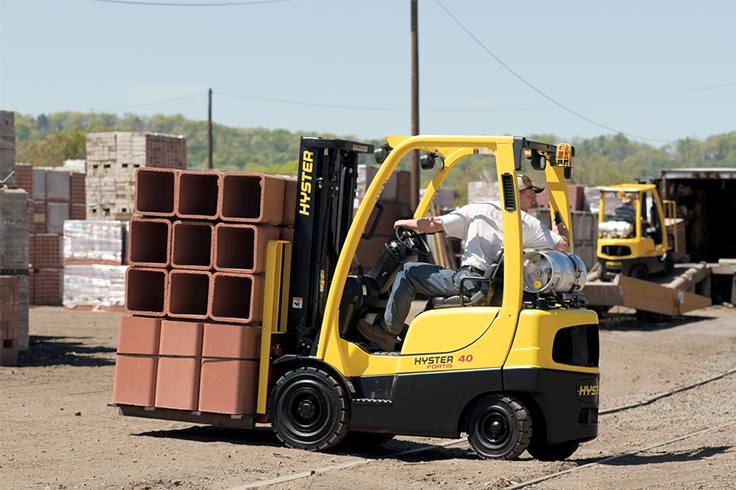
[(549, 271), (381, 153), (427, 160)]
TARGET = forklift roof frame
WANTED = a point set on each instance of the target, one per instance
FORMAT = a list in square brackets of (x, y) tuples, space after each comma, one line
[(510, 153)]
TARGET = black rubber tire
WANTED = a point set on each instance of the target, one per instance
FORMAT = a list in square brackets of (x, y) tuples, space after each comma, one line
[(552, 452), (499, 427), (639, 271), (309, 410), (669, 266)]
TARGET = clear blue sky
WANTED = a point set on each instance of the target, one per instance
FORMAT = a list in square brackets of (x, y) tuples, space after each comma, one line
[(659, 70)]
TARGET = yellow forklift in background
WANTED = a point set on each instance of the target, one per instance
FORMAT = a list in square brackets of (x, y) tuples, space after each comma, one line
[(636, 232)]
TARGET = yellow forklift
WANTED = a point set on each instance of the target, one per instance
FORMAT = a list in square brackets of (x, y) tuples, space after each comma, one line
[(636, 232), (516, 374)]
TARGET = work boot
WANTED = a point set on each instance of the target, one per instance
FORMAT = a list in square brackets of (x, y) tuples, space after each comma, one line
[(386, 341)]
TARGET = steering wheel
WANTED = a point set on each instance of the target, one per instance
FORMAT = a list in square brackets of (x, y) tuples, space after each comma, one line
[(412, 240)]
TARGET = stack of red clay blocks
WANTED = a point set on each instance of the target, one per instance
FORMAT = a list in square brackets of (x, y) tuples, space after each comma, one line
[(195, 287), (9, 303)]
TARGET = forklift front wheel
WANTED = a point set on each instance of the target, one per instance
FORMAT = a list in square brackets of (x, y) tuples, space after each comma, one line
[(309, 410), (499, 427)]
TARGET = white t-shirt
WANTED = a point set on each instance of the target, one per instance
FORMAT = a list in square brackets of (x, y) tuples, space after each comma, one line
[(481, 226)]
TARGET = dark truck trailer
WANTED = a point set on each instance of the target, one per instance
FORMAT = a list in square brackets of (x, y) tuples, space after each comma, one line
[(706, 199)]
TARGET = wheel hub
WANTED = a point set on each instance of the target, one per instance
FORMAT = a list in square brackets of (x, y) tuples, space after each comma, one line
[(306, 409), (496, 427)]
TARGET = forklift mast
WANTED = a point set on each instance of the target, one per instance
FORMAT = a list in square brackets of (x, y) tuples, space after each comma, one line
[(328, 171)]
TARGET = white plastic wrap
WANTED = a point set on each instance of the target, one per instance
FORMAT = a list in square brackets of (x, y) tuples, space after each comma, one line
[(94, 285)]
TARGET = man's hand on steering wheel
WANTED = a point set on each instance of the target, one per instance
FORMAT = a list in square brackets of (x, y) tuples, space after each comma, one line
[(412, 240)]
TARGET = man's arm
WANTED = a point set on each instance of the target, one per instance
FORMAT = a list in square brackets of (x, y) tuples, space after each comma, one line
[(561, 230), (427, 225)]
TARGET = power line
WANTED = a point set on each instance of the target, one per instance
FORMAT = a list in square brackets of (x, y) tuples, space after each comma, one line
[(560, 105), (165, 4), (294, 102), (395, 109), (153, 103)]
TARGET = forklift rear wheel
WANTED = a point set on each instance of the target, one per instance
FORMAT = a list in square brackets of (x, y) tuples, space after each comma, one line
[(499, 427), (309, 410), (669, 266), (639, 271), (544, 451)]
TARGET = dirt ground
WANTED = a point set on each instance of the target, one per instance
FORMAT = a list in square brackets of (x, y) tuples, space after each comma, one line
[(58, 432)]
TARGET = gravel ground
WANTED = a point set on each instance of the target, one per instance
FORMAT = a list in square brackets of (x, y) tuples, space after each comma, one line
[(59, 433)]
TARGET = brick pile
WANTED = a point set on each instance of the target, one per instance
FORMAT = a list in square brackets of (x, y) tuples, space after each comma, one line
[(56, 195), (7, 147), (14, 257), (113, 158), (195, 288), (9, 307)]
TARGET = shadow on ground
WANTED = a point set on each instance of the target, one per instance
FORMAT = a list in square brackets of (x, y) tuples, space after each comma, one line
[(70, 351), (264, 436)]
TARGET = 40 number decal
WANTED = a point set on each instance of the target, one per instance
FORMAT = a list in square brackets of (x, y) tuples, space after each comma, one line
[(466, 358)]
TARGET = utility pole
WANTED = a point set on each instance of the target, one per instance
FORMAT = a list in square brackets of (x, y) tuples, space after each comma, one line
[(414, 105), (209, 132)]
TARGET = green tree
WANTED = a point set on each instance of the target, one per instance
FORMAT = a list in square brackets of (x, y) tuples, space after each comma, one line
[(52, 151)]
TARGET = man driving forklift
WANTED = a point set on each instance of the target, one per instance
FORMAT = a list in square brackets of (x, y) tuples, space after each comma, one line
[(480, 226)]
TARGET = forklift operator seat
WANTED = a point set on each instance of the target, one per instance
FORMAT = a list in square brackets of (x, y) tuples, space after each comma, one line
[(493, 276)]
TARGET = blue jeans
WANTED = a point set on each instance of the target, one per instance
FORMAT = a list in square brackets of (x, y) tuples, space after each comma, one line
[(420, 278)]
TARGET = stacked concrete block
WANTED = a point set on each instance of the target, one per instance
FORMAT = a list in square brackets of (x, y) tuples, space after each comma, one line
[(47, 274), (14, 253), (197, 255), (9, 307), (7, 147), (93, 262), (94, 287), (112, 161), (88, 242), (77, 196), (56, 194)]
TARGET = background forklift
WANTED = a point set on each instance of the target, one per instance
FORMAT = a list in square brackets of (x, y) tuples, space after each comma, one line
[(519, 376), (639, 246)]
